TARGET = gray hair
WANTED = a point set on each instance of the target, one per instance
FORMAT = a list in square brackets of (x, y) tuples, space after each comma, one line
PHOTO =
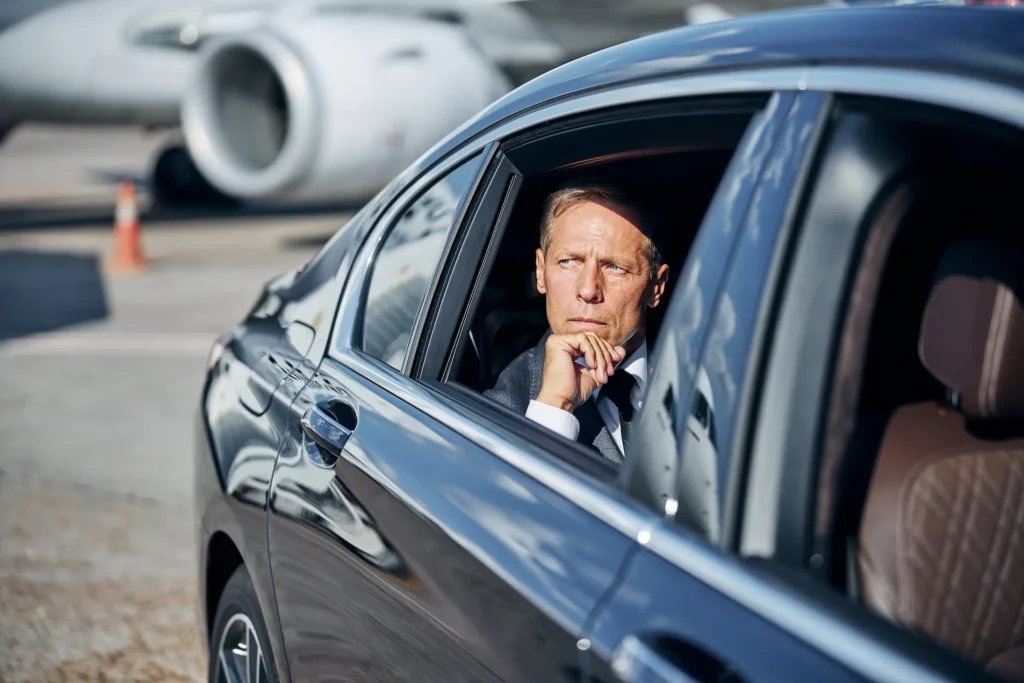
[(562, 200)]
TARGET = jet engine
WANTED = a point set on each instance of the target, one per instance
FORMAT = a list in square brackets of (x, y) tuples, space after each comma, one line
[(315, 106)]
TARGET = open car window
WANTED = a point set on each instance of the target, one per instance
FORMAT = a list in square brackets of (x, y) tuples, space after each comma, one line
[(896, 447), (669, 158)]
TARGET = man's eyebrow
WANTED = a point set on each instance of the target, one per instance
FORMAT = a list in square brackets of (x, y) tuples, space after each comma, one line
[(621, 260)]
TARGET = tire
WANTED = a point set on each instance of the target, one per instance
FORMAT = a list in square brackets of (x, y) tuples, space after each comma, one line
[(237, 622)]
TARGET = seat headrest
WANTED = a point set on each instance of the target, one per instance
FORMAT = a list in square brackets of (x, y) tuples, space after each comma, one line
[(972, 335)]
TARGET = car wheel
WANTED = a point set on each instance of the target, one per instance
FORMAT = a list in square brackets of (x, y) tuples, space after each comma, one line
[(239, 645)]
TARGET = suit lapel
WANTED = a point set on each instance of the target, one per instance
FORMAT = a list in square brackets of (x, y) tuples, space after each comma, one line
[(595, 432), (605, 443), (590, 421), (537, 365)]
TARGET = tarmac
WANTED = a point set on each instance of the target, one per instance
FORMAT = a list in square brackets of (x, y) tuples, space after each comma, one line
[(99, 382)]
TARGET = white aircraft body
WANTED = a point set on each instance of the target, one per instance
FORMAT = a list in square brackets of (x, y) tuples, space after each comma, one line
[(296, 99)]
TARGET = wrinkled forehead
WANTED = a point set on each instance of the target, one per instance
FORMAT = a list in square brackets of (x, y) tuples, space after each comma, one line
[(592, 227)]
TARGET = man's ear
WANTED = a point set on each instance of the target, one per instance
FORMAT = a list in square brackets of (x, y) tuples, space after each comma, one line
[(540, 272), (658, 289)]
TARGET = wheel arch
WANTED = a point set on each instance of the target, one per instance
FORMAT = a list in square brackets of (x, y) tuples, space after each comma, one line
[(222, 559)]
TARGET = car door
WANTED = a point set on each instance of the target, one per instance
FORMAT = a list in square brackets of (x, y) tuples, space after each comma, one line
[(400, 548), (256, 371), (683, 610), (417, 534)]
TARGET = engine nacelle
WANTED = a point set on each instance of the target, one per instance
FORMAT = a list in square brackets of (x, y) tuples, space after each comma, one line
[(315, 106)]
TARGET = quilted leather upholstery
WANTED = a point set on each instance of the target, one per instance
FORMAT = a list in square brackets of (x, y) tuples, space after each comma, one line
[(942, 536), (960, 547)]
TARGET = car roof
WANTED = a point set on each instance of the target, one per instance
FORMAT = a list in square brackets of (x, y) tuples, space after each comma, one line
[(985, 42)]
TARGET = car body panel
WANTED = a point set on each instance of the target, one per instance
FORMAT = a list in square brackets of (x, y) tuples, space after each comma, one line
[(236, 453), (988, 45), (698, 632), (421, 556), (265, 362)]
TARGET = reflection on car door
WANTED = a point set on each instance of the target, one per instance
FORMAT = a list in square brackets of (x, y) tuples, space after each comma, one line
[(675, 615), (423, 557), (403, 550)]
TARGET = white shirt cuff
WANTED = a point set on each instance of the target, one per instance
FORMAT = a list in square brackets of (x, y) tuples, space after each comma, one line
[(557, 420)]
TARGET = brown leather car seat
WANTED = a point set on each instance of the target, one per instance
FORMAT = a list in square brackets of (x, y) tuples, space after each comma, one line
[(941, 547)]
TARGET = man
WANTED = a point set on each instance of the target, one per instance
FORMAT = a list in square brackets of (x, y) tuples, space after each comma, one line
[(599, 271)]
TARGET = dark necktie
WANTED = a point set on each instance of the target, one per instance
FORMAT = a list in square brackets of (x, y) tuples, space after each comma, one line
[(617, 390)]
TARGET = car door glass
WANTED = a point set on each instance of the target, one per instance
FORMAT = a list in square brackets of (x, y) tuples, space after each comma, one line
[(723, 375), (406, 262), (666, 420)]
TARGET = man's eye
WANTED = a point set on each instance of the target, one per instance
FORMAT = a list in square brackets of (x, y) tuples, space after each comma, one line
[(565, 261), (613, 266)]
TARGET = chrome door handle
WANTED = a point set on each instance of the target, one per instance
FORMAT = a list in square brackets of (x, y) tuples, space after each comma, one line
[(634, 661), (328, 436)]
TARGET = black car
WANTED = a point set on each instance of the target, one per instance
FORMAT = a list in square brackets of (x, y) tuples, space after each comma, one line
[(826, 480)]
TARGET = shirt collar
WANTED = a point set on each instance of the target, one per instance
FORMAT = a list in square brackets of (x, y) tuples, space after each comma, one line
[(636, 365)]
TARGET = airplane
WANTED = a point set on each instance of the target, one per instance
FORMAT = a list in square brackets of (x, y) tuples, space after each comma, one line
[(299, 100)]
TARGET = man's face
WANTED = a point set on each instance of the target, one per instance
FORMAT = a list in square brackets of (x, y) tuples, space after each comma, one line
[(596, 276)]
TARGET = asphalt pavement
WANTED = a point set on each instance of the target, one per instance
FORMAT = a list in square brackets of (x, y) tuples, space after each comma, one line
[(99, 381)]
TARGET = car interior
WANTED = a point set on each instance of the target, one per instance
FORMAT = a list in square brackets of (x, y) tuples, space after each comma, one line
[(667, 161), (926, 494)]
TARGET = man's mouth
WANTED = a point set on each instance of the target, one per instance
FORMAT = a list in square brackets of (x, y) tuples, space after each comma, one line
[(586, 322)]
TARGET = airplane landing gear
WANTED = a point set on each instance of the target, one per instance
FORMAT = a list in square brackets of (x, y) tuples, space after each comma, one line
[(178, 182), (5, 128)]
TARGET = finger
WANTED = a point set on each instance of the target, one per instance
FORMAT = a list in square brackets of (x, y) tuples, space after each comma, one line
[(571, 344), (588, 351), (603, 359), (613, 356), (620, 354), (606, 353), (592, 376)]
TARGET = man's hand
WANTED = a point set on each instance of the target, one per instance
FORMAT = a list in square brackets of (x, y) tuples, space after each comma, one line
[(565, 384)]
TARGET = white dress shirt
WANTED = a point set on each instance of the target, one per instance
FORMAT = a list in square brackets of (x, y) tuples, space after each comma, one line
[(565, 423)]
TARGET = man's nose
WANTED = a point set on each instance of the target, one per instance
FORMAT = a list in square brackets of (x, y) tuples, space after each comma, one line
[(588, 286)]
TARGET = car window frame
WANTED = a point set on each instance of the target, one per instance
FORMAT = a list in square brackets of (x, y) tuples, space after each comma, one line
[(595, 489), (369, 250), (486, 231), (483, 225), (484, 234)]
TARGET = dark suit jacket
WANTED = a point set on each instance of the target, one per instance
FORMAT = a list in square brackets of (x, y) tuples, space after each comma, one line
[(519, 383)]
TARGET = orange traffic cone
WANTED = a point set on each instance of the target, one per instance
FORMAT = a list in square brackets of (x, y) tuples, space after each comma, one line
[(128, 256)]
